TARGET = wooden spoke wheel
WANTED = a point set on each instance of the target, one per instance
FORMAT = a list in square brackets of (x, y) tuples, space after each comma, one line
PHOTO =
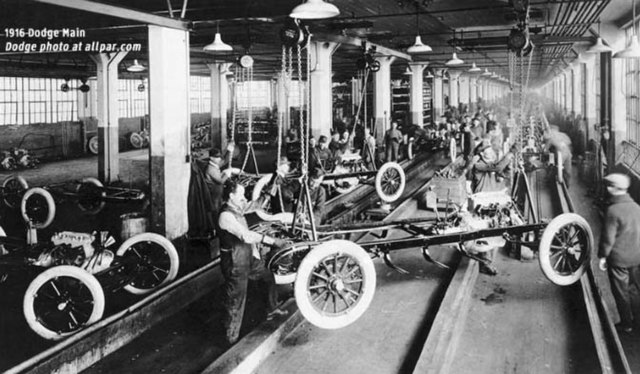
[(565, 248), (335, 284), (61, 301), (155, 262), (13, 188), (390, 182), (93, 145), (91, 195), (37, 206)]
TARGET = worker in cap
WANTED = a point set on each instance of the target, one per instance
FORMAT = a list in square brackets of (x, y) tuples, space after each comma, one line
[(215, 179), (618, 248), (318, 194)]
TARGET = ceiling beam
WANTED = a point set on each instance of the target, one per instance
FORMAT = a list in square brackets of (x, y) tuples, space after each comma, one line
[(120, 12), (358, 42)]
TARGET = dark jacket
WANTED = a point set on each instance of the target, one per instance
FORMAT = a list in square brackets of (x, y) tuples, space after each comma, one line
[(620, 236)]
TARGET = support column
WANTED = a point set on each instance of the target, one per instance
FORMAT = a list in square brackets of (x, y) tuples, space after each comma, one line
[(282, 102), (438, 94), (577, 97), (473, 92), (356, 88), (382, 96), (170, 129), (464, 81), (417, 80), (219, 104), (454, 99), (321, 115), (590, 96), (108, 138)]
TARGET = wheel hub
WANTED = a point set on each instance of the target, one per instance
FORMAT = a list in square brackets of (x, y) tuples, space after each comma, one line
[(337, 285), (63, 305)]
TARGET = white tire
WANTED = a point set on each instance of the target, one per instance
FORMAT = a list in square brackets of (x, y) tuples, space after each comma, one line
[(88, 204), (565, 248), (93, 145), (452, 149), (65, 292), (12, 190), (390, 182), (37, 206), (353, 275), (136, 140), (154, 269), (266, 212)]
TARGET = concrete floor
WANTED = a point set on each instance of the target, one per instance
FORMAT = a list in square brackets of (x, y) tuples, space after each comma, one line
[(520, 322)]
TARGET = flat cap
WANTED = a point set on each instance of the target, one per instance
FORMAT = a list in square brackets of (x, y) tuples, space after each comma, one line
[(618, 180), (215, 152)]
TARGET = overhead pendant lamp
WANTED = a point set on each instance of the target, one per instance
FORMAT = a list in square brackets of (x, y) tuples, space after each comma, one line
[(633, 49), (474, 68), (408, 71), (136, 67), (218, 45), (599, 47), (418, 46), (429, 74), (494, 75), (454, 61), (486, 73), (314, 9)]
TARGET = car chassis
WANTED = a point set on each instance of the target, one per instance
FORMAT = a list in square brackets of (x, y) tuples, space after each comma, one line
[(334, 278)]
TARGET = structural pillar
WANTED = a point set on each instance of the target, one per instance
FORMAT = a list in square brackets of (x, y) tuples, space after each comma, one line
[(170, 129), (282, 101), (438, 94), (382, 96), (321, 88), (417, 97), (577, 97), (454, 98), (473, 92), (464, 81), (219, 104), (108, 137)]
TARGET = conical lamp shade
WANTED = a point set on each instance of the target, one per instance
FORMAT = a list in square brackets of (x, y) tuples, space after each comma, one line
[(218, 45), (136, 67), (599, 47), (494, 75), (314, 9), (454, 60), (418, 46), (474, 68), (486, 73), (408, 71), (429, 74), (632, 50)]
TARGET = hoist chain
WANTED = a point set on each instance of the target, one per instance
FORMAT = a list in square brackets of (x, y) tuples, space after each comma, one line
[(302, 130)]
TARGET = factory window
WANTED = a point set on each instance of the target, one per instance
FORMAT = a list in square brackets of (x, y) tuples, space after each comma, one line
[(132, 98), (36, 100), (200, 94), (294, 93), (255, 94), (632, 93)]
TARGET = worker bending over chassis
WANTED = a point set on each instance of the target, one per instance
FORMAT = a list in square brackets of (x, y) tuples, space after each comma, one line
[(241, 260)]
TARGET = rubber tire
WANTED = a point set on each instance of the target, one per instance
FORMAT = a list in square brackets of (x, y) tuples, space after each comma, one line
[(452, 149), (136, 140), (69, 271), (50, 204), (169, 249), (93, 145), (311, 260), (410, 149), (97, 183), (3, 251), (378, 183), (545, 246), (23, 183), (257, 192)]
